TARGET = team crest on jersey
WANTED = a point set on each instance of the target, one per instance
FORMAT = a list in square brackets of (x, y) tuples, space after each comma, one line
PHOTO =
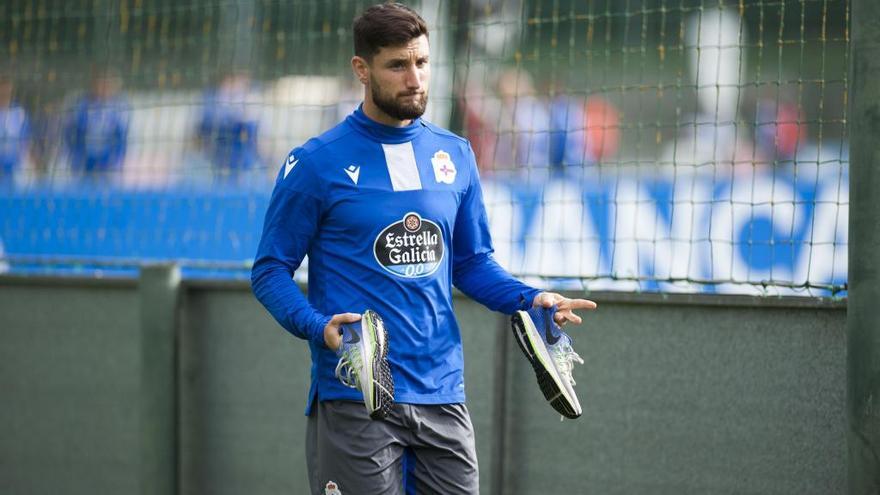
[(444, 169), (411, 247)]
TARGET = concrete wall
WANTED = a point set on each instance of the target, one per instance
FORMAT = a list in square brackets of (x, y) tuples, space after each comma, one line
[(69, 385), (681, 394), (691, 399)]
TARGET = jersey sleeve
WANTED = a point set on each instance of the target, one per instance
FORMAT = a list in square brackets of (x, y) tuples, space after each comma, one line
[(290, 226), (475, 271)]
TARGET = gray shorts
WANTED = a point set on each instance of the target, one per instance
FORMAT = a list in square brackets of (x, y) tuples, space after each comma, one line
[(416, 449)]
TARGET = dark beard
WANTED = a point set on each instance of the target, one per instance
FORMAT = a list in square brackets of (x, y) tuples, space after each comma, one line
[(397, 110)]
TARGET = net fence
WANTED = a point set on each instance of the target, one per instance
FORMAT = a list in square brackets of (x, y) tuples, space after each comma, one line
[(677, 146)]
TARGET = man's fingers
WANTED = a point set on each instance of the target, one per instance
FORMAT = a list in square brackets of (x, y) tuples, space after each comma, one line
[(332, 339), (547, 299), (564, 317), (332, 331), (544, 300), (577, 320), (564, 307), (577, 304), (345, 318)]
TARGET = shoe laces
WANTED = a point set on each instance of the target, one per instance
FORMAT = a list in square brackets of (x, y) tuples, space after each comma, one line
[(346, 369), (564, 357), (346, 372)]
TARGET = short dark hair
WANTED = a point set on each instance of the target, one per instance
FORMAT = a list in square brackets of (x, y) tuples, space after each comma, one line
[(386, 24)]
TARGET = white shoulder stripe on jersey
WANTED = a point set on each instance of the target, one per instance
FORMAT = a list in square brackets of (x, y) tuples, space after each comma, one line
[(401, 162), (291, 162)]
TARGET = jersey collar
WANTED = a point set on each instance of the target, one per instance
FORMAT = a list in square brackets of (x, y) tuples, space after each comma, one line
[(381, 132)]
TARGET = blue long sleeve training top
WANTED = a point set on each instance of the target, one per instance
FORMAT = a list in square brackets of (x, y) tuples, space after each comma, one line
[(390, 219)]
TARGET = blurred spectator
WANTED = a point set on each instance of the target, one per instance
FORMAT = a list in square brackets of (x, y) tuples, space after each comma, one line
[(228, 128), (524, 124), (480, 109), (709, 141), (96, 133), (602, 124), (582, 133), (14, 132), (780, 130)]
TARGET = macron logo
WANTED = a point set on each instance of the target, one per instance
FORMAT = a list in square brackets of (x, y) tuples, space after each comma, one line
[(353, 173), (291, 162)]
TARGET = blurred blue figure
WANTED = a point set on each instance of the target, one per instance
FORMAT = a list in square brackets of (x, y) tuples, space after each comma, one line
[(566, 133), (14, 132), (227, 129), (96, 133)]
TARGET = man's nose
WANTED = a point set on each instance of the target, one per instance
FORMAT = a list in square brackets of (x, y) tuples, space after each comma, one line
[(413, 81)]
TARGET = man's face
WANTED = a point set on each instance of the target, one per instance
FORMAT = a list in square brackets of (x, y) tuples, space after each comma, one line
[(105, 86), (399, 79), (6, 90)]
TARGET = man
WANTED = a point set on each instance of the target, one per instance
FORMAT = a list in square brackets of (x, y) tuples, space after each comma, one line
[(14, 132), (227, 130), (389, 210), (97, 132)]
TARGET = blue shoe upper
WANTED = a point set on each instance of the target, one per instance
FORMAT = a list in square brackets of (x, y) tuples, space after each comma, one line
[(550, 332), (351, 334)]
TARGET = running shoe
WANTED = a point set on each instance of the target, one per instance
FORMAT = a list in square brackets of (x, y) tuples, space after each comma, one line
[(549, 350), (363, 363)]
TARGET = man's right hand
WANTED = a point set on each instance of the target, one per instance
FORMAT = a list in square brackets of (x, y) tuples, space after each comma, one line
[(332, 338)]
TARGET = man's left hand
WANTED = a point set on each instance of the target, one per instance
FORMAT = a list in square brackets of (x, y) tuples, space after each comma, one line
[(564, 306)]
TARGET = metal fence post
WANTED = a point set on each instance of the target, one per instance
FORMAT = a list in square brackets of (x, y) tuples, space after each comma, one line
[(863, 316), (159, 291)]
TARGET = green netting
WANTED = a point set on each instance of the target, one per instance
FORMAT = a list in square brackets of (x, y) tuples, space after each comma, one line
[(637, 145)]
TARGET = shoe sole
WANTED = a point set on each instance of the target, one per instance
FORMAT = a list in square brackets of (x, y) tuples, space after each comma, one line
[(549, 380), (380, 400)]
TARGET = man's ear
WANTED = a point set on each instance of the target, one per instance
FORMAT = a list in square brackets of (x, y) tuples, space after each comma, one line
[(361, 69)]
